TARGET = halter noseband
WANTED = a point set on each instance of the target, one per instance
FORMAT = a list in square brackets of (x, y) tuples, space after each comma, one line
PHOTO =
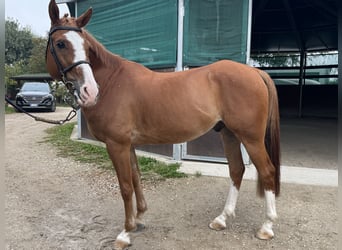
[(63, 70)]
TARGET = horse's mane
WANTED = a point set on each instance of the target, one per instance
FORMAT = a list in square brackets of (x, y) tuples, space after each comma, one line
[(100, 52)]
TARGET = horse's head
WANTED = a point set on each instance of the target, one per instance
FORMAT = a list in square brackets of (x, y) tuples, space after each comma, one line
[(67, 55)]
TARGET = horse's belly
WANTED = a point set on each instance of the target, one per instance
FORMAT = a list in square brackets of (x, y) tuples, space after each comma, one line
[(175, 132)]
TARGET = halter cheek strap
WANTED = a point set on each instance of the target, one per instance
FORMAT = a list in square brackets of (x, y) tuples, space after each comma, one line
[(63, 70)]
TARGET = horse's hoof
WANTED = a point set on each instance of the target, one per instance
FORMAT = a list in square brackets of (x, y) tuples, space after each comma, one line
[(139, 228), (264, 234), (215, 225), (121, 245), (122, 241)]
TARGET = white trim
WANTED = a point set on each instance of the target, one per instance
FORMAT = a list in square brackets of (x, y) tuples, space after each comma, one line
[(177, 148), (249, 31), (180, 35), (65, 1), (186, 156), (79, 113)]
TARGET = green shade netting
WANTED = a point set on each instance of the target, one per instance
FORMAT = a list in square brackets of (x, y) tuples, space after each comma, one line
[(215, 30), (144, 31)]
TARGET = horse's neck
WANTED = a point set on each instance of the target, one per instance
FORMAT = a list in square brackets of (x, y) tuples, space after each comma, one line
[(99, 55), (104, 64), (107, 65), (105, 59)]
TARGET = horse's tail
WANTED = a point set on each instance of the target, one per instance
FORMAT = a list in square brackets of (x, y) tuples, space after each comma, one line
[(272, 137)]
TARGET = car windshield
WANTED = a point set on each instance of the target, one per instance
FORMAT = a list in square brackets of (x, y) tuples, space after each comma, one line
[(36, 87)]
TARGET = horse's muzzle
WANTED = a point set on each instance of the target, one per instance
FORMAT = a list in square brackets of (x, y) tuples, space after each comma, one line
[(87, 95)]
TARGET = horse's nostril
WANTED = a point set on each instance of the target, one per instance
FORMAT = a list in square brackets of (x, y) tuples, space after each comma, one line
[(85, 90)]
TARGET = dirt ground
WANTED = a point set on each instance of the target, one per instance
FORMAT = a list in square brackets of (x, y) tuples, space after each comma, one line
[(56, 203)]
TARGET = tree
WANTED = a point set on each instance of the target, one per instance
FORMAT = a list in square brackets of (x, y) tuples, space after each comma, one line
[(18, 42), (14, 69), (24, 53), (36, 62), (275, 60)]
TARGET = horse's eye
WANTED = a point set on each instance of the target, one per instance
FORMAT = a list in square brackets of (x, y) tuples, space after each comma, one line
[(61, 45)]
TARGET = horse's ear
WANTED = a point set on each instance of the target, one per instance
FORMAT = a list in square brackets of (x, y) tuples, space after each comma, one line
[(53, 12), (82, 20)]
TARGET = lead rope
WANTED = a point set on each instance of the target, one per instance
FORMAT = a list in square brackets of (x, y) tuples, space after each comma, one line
[(71, 114)]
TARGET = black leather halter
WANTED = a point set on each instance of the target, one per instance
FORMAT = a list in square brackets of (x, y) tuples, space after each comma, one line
[(63, 70)]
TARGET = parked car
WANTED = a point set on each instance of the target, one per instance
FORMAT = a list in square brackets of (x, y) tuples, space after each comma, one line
[(36, 95)]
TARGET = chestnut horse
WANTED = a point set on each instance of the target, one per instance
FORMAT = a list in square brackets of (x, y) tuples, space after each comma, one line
[(125, 104)]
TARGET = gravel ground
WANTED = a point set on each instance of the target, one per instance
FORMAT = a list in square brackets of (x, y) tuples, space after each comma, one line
[(56, 203)]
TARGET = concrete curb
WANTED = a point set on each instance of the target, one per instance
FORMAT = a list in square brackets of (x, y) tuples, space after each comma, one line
[(296, 175), (289, 174)]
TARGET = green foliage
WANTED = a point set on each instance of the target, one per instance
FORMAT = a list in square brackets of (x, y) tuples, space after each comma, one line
[(59, 136), (16, 68), (24, 53), (276, 60), (198, 174), (148, 165), (18, 42), (36, 62), (9, 109), (60, 91)]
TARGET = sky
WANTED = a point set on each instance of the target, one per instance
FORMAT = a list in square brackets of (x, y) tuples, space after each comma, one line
[(32, 14)]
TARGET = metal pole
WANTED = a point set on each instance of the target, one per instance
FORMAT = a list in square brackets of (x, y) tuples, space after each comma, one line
[(245, 156), (79, 113), (180, 35), (301, 81), (249, 31), (177, 148)]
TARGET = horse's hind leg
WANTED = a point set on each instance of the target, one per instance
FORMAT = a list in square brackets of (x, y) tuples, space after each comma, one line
[(141, 203), (266, 171), (236, 171)]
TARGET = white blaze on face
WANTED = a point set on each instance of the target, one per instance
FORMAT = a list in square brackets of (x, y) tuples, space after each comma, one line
[(89, 90)]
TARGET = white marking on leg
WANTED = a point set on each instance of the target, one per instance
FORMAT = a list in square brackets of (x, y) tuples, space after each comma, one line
[(229, 208), (270, 205), (124, 237), (266, 232)]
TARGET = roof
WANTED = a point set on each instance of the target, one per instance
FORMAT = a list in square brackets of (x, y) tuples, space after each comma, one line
[(294, 25), (289, 25), (33, 77)]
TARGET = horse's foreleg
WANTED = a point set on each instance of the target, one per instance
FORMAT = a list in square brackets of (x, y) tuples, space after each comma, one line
[(236, 170), (266, 171), (120, 156), (141, 203)]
